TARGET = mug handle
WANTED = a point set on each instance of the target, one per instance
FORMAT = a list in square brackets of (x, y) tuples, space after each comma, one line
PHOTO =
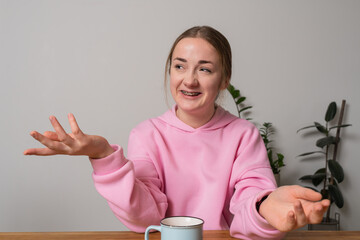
[(152, 227)]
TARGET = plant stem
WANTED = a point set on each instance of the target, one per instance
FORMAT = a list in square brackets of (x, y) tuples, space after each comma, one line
[(338, 129), (327, 219), (335, 149)]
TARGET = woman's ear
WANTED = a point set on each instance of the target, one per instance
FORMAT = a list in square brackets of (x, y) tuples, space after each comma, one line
[(224, 83)]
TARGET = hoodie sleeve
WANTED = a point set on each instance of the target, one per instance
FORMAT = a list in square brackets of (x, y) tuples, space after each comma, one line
[(131, 188), (251, 179)]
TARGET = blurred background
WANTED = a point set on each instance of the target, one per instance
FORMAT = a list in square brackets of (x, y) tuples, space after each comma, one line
[(104, 62)]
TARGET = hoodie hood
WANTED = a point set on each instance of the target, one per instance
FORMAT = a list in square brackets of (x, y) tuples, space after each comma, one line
[(220, 119)]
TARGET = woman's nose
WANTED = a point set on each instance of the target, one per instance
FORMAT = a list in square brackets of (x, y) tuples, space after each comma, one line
[(191, 80)]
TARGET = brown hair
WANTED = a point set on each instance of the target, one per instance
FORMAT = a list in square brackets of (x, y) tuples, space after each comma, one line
[(212, 36)]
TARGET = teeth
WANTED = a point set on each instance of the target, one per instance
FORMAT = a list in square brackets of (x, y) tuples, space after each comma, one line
[(190, 93)]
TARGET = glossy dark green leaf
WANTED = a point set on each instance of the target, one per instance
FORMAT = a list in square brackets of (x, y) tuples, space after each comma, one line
[(318, 178), (306, 177), (331, 112), (310, 153), (321, 128), (324, 193), (336, 170), (341, 126), (326, 141), (312, 126), (321, 170), (336, 195)]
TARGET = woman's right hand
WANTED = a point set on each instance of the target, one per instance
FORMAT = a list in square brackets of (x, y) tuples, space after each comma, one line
[(74, 143)]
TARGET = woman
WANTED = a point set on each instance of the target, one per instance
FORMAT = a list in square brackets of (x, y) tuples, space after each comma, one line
[(196, 159)]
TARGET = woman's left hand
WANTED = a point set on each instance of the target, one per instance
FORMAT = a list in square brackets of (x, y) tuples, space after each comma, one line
[(292, 207)]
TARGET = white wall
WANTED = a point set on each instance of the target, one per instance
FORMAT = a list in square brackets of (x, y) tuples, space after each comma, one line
[(104, 60)]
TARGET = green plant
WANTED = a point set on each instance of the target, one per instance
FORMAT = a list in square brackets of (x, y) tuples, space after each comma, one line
[(266, 131), (239, 100), (332, 173)]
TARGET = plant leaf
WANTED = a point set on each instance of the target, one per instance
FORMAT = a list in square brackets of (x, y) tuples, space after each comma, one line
[(336, 195), (322, 142), (331, 112), (310, 153), (321, 128), (318, 178), (315, 178), (235, 93), (306, 177), (245, 108), (341, 126), (324, 193), (321, 170), (240, 100), (230, 88), (336, 170), (312, 126)]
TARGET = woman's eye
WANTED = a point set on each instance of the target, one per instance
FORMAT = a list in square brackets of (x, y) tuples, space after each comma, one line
[(205, 70), (178, 66)]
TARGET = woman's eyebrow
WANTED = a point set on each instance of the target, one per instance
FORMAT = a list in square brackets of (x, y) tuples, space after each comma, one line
[(180, 59), (205, 61), (200, 61)]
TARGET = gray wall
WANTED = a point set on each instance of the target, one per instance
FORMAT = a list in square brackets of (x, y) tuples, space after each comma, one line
[(104, 60)]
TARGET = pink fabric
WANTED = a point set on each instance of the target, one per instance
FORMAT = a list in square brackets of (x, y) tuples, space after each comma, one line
[(216, 172)]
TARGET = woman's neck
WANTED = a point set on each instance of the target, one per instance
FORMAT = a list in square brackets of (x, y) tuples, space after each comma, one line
[(195, 120)]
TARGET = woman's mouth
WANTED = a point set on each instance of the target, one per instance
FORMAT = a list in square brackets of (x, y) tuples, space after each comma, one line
[(192, 94)]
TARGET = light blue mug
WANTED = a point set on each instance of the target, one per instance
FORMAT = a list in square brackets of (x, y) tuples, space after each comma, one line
[(179, 228)]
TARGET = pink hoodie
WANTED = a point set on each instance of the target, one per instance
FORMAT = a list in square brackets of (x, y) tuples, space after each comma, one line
[(216, 172)]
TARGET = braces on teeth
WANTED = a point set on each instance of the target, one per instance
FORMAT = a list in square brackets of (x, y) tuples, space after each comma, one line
[(190, 93)]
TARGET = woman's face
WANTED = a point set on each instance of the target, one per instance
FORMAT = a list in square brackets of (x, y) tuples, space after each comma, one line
[(195, 77)]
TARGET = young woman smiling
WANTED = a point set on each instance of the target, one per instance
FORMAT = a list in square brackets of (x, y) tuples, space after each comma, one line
[(196, 159)]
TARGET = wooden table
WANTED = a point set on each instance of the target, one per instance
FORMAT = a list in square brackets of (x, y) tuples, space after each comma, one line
[(208, 235)]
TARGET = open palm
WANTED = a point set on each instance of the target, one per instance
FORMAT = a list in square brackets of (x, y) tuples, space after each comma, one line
[(292, 207), (74, 143)]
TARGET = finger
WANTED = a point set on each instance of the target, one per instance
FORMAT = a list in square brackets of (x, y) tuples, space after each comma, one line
[(318, 212), (51, 135), (62, 135), (54, 145), (307, 194), (290, 221), (325, 203), (301, 218), (75, 129), (40, 151)]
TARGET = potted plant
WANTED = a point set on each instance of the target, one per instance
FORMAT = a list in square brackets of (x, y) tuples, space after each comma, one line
[(238, 100), (332, 174), (266, 130), (275, 162)]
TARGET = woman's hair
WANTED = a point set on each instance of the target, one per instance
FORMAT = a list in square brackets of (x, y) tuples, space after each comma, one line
[(212, 36)]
